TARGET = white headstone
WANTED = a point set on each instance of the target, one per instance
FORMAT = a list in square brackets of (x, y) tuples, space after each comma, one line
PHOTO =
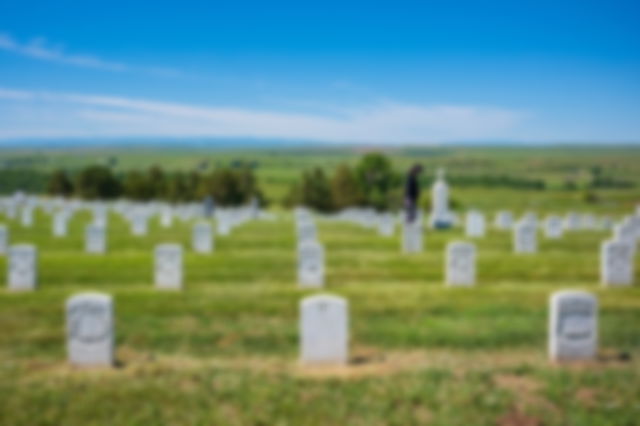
[(324, 330), (525, 237), (90, 330), (95, 239), (202, 238), (412, 240), (26, 218), (504, 220), (139, 225), (572, 221), (460, 268), (223, 225), (168, 266), (166, 218), (386, 225), (4, 239), (553, 228), (440, 214), (475, 224), (60, 221), (310, 264), (306, 231), (22, 270), (573, 326), (616, 263)]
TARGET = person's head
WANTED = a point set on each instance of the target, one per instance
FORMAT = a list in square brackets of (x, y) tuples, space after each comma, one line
[(415, 170)]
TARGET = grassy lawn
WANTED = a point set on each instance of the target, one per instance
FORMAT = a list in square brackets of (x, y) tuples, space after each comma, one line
[(224, 351)]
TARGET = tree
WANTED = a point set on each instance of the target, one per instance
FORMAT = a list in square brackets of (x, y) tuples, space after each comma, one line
[(59, 184), (315, 190), (97, 182), (137, 186), (377, 180), (345, 189)]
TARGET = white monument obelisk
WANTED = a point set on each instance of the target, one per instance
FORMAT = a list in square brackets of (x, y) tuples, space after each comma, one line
[(440, 216)]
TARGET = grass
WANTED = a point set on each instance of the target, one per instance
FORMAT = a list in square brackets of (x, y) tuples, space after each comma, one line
[(224, 350)]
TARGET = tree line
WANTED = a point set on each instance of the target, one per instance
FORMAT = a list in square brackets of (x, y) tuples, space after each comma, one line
[(227, 186)]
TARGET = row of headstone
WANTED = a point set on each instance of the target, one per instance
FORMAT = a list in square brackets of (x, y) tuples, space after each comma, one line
[(310, 252), (324, 329)]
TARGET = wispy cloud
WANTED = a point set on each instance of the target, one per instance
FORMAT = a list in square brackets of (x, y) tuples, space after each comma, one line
[(28, 114), (41, 49)]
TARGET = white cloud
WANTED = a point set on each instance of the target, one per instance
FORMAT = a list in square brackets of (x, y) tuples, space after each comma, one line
[(27, 114), (41, 49)]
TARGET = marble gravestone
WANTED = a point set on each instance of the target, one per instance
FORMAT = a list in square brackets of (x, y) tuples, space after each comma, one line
[(223, 225), (553, 228), (168, 266), (95, 239), (4, 239), (475, 224), (202, 238), (440, 215), (306, 231), (310, 264), (26, 217), (572, 221), (22, 268), (525, 237), (504, 220), (573, 326), (616, 263), (324, 330), (412, 241), (460, 264), (166, 218), (386, 225), (139, 225), (60, 222), (90, 330), (625, 232)]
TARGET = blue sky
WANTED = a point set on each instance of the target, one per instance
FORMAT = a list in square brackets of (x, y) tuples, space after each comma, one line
[(342, 72)]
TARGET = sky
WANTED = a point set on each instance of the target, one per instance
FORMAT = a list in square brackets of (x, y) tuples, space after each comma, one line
[(340, 72)]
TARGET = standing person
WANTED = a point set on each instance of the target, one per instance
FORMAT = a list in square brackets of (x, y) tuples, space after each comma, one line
[(412, 192)]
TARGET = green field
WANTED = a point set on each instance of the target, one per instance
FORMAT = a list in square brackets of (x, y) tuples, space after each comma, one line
[(225, 349)]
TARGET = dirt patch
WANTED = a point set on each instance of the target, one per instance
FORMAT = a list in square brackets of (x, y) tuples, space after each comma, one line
[(515, 417), (588, 397), (525, 390)]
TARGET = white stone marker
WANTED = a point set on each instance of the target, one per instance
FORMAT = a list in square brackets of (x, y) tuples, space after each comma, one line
[(166, 218), (504, 220), (90, 330), (386, 225), (60, 222), (22, 270), (26, 218), (95, 239), (324, 330), (412, 235), (440, 214), (573, 326), (310, 264), (460, 264), (202, 238), (475, 224), (616, 263), (168, 266), (4, 239), (223, 225), (306, 231), (553, 227), (525, 237), (139, 225), (572, 221)]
